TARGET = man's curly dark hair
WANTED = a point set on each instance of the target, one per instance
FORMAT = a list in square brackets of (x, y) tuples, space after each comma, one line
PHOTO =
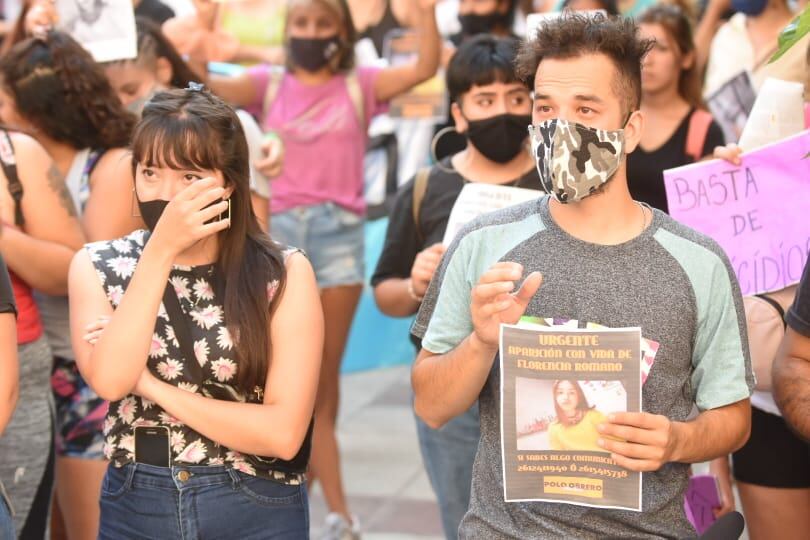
[(573, 35), (59, 88)]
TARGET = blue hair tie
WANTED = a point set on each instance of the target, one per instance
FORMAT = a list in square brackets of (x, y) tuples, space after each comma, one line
[(195, 87)]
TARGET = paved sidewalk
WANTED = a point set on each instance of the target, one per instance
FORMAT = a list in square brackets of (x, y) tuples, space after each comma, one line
[(382, 467)]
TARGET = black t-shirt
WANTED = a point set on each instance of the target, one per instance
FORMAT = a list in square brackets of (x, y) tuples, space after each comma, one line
[(154, 10), (645, 170), (402, 243), (7, 304), (798, 316)]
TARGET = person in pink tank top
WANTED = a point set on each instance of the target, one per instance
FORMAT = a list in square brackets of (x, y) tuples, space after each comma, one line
[(320, 106)]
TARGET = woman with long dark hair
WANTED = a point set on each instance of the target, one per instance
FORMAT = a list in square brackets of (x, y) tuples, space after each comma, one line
[(677, 130), (211, 386), (53, 90)]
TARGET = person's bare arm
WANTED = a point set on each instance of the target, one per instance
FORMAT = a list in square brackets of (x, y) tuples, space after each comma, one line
[(706, 30), (446, 385), (721, 469), (266, 55), (40, 253), (111, 211), (393, 298), (397, 297), (8, 367), (393, 81), (261, 207), (791, 381), (238, 91)]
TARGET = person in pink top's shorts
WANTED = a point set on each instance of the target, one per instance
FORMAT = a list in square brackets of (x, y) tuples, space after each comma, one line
[(320, 106)]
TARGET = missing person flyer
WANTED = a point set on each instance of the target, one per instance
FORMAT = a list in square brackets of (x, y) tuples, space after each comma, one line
[(558, 384)]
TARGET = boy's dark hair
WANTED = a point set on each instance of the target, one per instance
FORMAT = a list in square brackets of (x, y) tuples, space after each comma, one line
[(573, 35), (481, 60)]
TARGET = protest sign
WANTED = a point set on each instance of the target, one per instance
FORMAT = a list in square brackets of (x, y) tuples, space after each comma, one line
[(778, 113), (649, 348), (105, 28), (731, 104), (757, 211), (426, 100), (477, 199), (557, 385)]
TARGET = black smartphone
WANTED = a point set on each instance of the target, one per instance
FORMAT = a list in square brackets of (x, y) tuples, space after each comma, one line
[(152, 446)]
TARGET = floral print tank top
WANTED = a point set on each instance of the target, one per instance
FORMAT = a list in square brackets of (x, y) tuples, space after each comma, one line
[(115, 263)]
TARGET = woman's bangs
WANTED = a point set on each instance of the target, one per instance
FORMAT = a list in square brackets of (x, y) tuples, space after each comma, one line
[(186, 144)]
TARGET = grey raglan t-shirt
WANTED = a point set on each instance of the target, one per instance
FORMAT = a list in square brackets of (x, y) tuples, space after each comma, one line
[(674, 283)]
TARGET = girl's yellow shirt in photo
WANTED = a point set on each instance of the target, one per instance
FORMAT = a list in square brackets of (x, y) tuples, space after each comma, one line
[(581, 436)]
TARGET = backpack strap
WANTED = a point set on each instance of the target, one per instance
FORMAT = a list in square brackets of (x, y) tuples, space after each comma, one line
[(420, 185), (275, 77), (775, 305), (93, 157), (356, 97), (699, 123), (9, 165), (179, 323)]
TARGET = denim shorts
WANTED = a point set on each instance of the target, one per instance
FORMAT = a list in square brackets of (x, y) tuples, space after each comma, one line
[(191, 502), (6, 522), (331, 236)]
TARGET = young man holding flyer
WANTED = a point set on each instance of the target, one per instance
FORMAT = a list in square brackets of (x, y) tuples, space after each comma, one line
[(602, 259), (491, 108)]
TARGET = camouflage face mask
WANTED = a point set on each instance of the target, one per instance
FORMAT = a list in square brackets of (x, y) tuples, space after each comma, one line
[(575, 160)]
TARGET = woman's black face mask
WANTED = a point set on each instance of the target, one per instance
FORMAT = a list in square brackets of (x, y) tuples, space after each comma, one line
[(473, 24), (499, 138)]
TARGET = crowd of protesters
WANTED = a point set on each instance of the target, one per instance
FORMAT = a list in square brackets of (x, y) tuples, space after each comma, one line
[(183, 253)]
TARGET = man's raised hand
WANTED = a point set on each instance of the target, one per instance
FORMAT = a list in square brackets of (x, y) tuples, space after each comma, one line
[(494, 302)]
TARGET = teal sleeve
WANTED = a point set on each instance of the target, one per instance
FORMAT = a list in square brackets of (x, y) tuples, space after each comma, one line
[(721, 362), (451, 321)]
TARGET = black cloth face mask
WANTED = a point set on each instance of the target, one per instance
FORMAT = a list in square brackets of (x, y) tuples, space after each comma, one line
[(313, 54), (152, 210), (473, 24), (499, 138)]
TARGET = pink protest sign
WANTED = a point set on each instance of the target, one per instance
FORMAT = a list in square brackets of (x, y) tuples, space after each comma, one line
[(758, 212)]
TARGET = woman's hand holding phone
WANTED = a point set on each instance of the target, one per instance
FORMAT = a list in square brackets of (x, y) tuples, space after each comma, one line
[(186, 218)]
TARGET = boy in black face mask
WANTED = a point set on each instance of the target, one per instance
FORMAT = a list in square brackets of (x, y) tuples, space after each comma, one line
[(492, 109)]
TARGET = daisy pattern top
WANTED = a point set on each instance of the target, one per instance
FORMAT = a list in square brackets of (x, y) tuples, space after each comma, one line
[(115, 263)]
